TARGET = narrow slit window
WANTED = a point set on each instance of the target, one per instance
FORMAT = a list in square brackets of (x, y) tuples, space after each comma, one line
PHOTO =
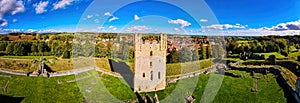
[(151, 53), (158, 75), (150, 64), (144, 75), (151, 75)]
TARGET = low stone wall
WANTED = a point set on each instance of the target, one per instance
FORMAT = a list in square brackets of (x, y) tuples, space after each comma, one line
[(271, 69)]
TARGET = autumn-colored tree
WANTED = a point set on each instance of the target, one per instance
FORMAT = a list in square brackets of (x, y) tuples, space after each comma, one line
[(38, 36)]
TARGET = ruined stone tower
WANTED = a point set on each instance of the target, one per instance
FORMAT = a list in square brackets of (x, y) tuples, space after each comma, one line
[(150, 64)]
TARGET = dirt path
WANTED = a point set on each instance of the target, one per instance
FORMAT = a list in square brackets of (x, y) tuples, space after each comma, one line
[(81, 70), (64, 73)]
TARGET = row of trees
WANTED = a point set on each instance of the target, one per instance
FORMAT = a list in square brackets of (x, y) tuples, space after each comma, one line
[(186, 54), (274, 45), (36, 48)]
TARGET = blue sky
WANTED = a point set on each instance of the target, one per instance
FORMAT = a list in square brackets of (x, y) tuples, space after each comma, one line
[(188, 16)]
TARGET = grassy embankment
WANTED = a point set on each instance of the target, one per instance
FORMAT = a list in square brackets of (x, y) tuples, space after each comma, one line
[(25, 65)]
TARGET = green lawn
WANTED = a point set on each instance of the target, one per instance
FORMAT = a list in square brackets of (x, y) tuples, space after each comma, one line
[(233, 90), (244, 41), (295, 54), (47, 90), (278, 55), (41, 90), (233, 59)]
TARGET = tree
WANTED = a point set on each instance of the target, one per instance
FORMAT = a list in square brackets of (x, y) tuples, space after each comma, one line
[(66, 54), (124, 52), (34, 48), (88, 50), (208, 51), (215, 51), (185, 54), (221, 51), (41, 47), (52, 37), (195, 54), (109, 47), (19, 49), (131, 54), (3, 46), (100, 50), (38, 36), (10, 48), (203, 52), (5, 38), (173, 57), (272, 59)]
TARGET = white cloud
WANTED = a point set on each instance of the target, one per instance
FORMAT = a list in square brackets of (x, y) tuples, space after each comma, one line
[(89, 16), (224, 26), (100, 27), (62, 4), (15, 20), (3, 22), (177, 30), (11, 6), (112, 28), (40, 7), (113, 18), (203, 20), (294, 25), (96, 21), (181, 22), (110, 15), (136, 17), (259, 32), (138, 29), (107, 14)]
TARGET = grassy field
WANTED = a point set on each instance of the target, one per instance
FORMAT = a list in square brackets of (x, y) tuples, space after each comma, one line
[(25, 65), (233, 59), (233, 90), (244, 41), (188, 67), (278, 55), (41, 89), (295, 54)]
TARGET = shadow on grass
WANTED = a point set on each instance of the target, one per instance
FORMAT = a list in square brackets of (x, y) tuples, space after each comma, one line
[(48, 69), (287, 94), (123, 69), (9, 99)]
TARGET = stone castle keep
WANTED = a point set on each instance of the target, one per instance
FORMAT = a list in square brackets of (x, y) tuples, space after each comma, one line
[(150, 64)]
